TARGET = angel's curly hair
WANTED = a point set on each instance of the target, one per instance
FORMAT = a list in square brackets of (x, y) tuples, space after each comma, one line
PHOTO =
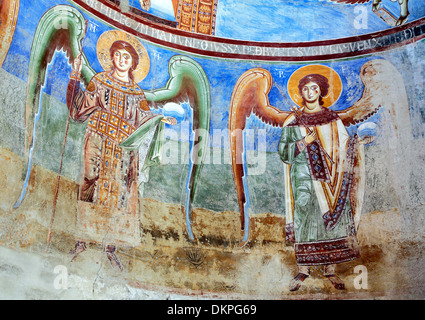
[(321, 81)]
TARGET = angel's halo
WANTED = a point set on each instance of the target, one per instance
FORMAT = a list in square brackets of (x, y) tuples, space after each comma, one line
[(335, 83)]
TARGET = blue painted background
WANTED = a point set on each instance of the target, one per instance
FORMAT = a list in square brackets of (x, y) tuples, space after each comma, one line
[(300, 20), (222, 74)]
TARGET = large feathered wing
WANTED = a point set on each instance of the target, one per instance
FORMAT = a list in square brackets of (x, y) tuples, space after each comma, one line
[(60, 28), (250, 96), (188, 82), (351, 1), (384, 89), (63, 28)]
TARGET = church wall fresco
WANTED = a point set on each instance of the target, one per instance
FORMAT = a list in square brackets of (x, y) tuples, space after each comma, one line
[(141, 154)]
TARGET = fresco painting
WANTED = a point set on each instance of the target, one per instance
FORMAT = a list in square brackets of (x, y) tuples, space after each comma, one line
[(314, 139), (164, 153)]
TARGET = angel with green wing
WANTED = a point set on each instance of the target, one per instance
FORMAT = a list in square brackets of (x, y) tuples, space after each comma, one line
[(123, 137), (323, 166), (114, 107)]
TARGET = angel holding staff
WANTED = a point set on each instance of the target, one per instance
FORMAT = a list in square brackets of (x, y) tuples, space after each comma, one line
[(114, 107)]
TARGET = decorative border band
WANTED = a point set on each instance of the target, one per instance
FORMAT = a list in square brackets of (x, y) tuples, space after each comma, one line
[(216, 47)]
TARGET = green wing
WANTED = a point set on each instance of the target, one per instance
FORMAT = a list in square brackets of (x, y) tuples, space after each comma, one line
[(188, 82), (60, 28)]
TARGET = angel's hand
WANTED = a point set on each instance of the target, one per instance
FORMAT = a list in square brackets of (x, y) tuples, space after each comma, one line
[(170, 120), (77, 65), (366, 139), (310, 137)]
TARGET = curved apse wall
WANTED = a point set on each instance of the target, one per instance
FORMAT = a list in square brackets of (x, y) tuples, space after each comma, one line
[(218, 171)]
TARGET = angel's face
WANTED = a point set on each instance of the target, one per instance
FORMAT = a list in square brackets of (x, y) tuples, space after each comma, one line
[(311, 92), (122, 60)]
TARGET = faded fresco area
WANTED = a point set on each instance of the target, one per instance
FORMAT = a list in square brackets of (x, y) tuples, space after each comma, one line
[(160, 150)]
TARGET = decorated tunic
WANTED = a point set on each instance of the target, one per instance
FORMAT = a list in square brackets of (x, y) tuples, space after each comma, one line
[(318, 181), (107, 208)]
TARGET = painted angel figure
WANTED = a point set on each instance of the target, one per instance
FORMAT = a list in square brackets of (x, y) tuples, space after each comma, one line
[(323, 166), (385, 14), (114, 107), (319, 161), (123, 138)]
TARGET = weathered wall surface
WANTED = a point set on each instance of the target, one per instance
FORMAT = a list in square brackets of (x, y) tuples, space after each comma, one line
[(205, 253)]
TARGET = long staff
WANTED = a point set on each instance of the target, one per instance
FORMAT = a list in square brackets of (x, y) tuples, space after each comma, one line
[(299, 118), (55, 200)]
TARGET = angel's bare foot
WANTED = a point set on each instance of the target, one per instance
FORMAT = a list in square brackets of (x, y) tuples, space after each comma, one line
[(336, 282), (79, 247), (404, 12), (110, 253), (296, 283)]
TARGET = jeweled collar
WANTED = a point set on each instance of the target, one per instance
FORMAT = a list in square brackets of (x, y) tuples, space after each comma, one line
[(107, 79), (319, 118)]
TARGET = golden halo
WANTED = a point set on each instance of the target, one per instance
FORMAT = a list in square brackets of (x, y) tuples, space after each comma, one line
[(105, 42), (335, 83)]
